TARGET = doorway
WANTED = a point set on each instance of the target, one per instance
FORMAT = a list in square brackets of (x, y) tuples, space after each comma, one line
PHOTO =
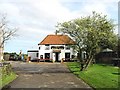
[(57, 57)]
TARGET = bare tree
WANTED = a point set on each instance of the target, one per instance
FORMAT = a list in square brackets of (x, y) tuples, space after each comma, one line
[(6, 32)]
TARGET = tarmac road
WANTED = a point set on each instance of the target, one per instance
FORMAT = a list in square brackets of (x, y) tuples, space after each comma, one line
[(45, 76)]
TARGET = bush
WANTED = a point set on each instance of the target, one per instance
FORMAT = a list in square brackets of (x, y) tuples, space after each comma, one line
[(6, 75), (6, 69)]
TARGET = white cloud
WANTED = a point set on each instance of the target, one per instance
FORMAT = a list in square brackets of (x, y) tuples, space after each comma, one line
[(52, 10), (9, 9), (37, 18), (103, 1)]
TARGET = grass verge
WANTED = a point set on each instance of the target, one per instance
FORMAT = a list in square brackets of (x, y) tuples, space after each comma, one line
[(7, 79), (97, 76)]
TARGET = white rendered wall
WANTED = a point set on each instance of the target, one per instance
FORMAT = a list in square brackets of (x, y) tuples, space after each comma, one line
[(42, 51)]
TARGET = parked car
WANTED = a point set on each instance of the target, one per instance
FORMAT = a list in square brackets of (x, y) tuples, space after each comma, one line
[(13, 57)]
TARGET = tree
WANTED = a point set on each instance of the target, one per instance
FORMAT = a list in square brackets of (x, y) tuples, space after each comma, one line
[(6, 33), (91, 33)]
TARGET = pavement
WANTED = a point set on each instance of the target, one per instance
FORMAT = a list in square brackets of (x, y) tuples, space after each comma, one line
[(44, 76)]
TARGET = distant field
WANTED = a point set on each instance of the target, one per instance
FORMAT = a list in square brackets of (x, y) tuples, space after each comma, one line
[(97, 75)]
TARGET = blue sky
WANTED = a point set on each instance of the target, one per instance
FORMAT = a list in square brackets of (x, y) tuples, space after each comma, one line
[(37, 18)]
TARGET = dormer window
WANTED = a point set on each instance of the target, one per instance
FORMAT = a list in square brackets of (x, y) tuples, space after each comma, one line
[(57, 47), (67, 47), (46, 44), (47, 47)]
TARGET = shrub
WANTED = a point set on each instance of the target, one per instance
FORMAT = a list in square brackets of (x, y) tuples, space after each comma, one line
[(6, 69)]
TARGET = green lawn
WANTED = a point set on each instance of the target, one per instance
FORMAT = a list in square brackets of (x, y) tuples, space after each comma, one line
[(97, 75), (7, 79)]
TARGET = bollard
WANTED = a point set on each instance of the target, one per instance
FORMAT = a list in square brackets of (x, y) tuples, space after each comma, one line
[(53, 60), (62, 60), (29, 58)]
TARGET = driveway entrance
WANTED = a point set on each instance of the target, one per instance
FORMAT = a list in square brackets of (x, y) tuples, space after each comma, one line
[(45, 75)]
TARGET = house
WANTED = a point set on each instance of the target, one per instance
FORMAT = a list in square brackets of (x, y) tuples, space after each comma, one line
[(56, 48)]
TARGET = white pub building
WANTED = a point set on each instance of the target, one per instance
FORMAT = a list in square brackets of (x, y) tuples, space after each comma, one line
[(54, 48)]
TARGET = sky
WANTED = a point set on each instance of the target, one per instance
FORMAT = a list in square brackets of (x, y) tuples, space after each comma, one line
[(35, 19)]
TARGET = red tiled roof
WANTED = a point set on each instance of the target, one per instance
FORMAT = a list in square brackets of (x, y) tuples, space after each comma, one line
[(57, 40)]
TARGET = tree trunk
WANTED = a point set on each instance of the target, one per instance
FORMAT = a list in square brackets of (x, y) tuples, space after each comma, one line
[(79, 54), (88, 62), (82, 66), (1, 46), (1, 54), (80, 59)]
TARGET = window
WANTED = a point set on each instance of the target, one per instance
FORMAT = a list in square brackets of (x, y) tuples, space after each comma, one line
[(67, 56), (73, 56), (67, 47), (57, 47), (47, 47), (41, 56), (46, 44), (47, 55)]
